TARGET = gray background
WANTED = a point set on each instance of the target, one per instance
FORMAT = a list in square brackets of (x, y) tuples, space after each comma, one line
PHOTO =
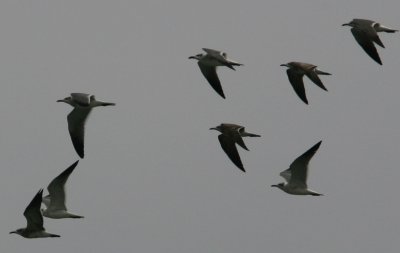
[(155, 178)]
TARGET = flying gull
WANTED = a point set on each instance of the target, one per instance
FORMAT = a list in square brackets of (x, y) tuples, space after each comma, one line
[(83, 104), (208, 64), (232, 134), (296, 71), (34, 218), (55, 201), (366, 33), (296, 175)]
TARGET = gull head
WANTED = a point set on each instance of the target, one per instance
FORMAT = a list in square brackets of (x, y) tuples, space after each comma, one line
[(18, 231), (218, 128), (280, 185), (352, 24), (196, 57), (67, 100)]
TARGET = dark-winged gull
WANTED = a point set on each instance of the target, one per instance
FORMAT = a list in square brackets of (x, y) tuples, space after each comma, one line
[(366, 33), (55, 201), (232, 134), (208, 64), (296, 71), (34, 218), (296, 175), (83, 104)]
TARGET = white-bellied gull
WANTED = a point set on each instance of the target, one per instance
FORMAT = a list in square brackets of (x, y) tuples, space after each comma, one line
[(83, 104), (55, 201), (34, 218), (208, 64), (296, 175)]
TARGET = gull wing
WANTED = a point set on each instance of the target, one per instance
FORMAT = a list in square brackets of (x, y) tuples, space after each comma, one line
[(56, 189), (296, 80), (33, 215), (228, 145), (76, 126), (210, 73), (238, 137), (46, 201), (222, 57), (214, 53), (299, 167), (367, 44), (315, 79), (82, 99), (286, 174)]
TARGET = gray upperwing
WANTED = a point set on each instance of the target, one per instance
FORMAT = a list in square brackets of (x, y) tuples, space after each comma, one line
[(81, 98), (286, 174), (315, 79), (296, 80), (212, 52), (367, 44), (33, 214), (56, 189), (210, 73), (76, 127), (222, 57), (230, 149), (299, 167)]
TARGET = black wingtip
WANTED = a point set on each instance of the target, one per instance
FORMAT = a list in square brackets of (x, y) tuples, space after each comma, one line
[(316, 146)]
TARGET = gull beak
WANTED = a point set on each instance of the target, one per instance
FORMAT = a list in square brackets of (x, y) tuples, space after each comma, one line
[(13, 232), (274, 185), (346, 24)]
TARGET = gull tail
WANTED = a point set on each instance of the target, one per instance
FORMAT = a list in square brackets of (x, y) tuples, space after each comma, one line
[(106, 104), (386, 29), (73, 216), (319, 72), (250, 135), (316, 194)]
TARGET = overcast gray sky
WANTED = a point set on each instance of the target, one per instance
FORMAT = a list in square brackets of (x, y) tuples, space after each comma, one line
[(154, 178)]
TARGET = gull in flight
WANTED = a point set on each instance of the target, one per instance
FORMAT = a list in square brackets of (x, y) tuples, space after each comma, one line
[(296, 175), (208, 64), (83, 104), (296, 71), (34, 218), (55, 201), (232, 134), (366, 33)]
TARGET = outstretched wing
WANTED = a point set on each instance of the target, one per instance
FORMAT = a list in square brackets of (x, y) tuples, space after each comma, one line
[(315, 79), (296, 80), (33, 215), (56, 189), (210, 73), (367, 44), (76, 126), (299, 167), (228, 145)]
